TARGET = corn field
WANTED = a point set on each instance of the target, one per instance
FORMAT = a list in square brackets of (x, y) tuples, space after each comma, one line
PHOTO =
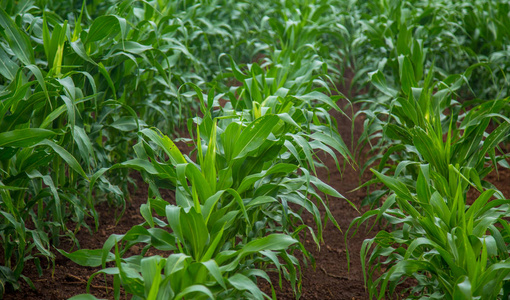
[(238, 120)]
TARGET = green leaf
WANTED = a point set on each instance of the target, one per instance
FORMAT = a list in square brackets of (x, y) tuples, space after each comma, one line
[(214, 271), (195, 289), (26, 137), (209, 165), (243, 283), (69, 159), (17, 39), (126, 123), (318, 96), (8, 68), (86, 257), (140, 165), (109, 80), (248, 181), (378, 80), (102, 27), (395, 185), (132, 47), (462, 289), (406, 72), (194, 232), (495, 137), (167, 145), (151, 273), (254, 135), (274, 242), (40, 79)]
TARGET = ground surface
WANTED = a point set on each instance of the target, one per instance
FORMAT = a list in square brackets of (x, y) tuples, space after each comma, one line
[(330, 279)]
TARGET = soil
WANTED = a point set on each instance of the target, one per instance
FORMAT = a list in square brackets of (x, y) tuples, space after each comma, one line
[(330, 279)]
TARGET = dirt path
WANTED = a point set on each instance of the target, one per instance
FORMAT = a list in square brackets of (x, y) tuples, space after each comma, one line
[(331, 278)]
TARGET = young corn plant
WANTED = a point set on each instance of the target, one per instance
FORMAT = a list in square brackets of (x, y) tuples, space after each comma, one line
[(451, 250), (426, 124), (199, 267), (300, 98), (433, 150), (235, 195), (290, 29), (455, 37), (42, 171)]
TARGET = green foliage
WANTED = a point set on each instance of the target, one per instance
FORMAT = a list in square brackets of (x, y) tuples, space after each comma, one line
[(92, 89), (436, 115), (239, 202), (77, 82), (232, 206), (453, 250), (455, 36)]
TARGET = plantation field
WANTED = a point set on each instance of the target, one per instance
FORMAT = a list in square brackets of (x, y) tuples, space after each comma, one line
[(218, 149), (330, 280)]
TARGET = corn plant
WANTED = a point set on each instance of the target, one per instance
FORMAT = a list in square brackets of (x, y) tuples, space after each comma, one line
[(451, 34), (204, 274), (417, 129), (436, 135), (303, 107), (292, 28), (72, 76), (422, 111), (236, 194), (452, 250), (41, 169)]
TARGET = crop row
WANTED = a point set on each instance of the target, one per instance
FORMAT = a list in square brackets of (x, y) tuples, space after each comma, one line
[(76, 88), (240, 197), (436, 118)]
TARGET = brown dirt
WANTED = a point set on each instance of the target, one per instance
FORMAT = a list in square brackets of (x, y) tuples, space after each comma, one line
[(329, 280)]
